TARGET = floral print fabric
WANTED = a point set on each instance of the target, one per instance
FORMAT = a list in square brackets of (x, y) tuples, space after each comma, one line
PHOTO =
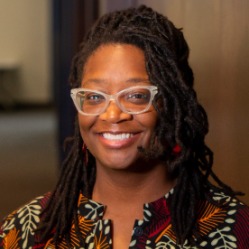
[(220, 226)]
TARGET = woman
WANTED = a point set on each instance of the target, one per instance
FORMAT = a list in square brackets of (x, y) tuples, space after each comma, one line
[(137, 174)]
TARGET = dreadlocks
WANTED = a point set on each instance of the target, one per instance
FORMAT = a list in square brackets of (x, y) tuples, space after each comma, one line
[(182, 121)]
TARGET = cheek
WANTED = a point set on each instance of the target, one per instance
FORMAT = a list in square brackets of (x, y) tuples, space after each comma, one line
[(149, 120), (153, 118), (85, 124)]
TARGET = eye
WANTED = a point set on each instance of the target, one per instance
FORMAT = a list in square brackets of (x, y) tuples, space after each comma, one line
[(94, 96), (138, 97), (91, 98)]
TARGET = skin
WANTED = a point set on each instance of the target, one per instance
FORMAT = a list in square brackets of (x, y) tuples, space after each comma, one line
[(111, 69), (124, 179)]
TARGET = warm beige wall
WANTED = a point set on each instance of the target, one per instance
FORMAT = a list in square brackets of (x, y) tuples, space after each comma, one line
[(218, 34), (25, 38)]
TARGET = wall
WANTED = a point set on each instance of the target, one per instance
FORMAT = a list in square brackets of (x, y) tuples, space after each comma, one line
[(218, 36), (25, 39)]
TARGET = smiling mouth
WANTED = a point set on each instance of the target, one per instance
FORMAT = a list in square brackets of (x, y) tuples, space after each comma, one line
[(116, 137)]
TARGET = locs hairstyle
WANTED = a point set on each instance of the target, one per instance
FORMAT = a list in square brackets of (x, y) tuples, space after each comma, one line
[(182, 121)]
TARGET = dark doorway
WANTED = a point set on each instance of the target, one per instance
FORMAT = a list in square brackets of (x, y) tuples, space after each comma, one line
[(71, 20)]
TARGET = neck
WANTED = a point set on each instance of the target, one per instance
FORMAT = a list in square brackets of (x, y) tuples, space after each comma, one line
[(122, 187)]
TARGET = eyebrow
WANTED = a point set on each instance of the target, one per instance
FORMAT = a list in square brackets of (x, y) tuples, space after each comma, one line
[(131, 80), (137, 80)]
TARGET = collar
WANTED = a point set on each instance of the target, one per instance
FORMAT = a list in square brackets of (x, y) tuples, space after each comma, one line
[(92, 210)]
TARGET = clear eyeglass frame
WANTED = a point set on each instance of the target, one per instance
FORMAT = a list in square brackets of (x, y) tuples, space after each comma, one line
[(113, 97)]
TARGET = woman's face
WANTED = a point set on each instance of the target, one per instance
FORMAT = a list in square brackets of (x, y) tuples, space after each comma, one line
[(114, 136)]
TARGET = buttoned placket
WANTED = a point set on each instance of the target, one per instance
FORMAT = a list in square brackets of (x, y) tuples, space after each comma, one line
[(103, 227)]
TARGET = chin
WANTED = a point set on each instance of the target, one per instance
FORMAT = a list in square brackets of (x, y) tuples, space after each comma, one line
[(126, 163)]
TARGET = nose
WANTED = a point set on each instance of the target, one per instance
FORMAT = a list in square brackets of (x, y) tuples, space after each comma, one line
[(114, 114)]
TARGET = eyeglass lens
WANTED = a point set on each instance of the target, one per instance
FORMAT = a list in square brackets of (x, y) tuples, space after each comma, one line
[(131, 100)]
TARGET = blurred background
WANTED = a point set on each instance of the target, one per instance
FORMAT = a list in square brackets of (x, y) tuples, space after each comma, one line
[(38, 41)]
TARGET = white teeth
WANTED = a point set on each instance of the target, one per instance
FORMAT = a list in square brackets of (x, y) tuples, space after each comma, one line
[(121, 136)]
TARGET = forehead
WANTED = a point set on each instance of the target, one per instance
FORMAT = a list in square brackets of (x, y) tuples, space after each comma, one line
[(115, 62), (114, 51)]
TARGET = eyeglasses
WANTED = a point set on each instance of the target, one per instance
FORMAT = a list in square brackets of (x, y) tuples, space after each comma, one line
[(132, 100)]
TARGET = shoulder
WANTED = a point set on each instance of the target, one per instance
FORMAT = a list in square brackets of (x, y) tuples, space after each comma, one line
[(224, 219), (17, 229), (230, 204)]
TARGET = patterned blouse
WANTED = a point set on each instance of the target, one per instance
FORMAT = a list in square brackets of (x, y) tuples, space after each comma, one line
[(224, 226)]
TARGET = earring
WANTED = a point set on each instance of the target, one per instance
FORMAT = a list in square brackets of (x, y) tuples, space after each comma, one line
[(85, 152), (176, 149)]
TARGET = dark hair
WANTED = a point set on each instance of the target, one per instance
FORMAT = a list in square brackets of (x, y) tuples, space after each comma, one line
[(182, 121)]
